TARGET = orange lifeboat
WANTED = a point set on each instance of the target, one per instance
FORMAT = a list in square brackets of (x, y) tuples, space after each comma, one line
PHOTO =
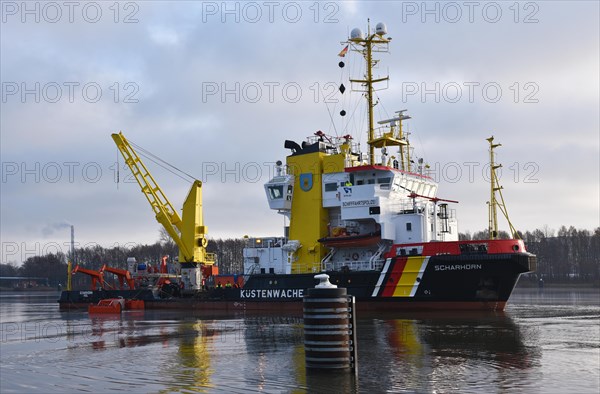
[(116, 305), (109, 305)]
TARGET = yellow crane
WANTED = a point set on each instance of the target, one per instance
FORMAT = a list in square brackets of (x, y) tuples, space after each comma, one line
[(187, 231)]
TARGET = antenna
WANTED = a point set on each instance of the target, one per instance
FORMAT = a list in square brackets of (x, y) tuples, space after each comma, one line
[(493, 204), (366, 45)]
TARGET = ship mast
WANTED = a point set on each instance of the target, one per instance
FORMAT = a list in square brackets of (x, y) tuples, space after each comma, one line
[(494, 204), (373, 42)]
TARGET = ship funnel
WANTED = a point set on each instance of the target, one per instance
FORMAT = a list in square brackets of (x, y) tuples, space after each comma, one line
[(292, 145)]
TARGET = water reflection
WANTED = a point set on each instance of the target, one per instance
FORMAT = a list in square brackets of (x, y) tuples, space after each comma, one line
[(432, 352), (191, 370), (420, 352), (274, 344), (545, 342), (103, 332)]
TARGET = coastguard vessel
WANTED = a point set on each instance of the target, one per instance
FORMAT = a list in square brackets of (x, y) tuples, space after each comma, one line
[(371, 220)]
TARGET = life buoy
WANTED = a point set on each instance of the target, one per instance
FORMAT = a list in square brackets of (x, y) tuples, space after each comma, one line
[(355, 256)]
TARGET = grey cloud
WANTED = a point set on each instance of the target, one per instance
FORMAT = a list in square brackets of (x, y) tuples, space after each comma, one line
[(171, 52)]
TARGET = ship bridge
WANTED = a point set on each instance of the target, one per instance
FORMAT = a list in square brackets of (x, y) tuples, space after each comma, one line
[(377, 199)]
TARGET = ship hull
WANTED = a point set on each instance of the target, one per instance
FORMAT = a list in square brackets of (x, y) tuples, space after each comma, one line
[(477, 282)]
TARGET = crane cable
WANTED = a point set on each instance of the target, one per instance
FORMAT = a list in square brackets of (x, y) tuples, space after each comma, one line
[(162, 163)]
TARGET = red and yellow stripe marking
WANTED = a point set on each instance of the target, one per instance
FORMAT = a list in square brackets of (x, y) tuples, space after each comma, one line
[(402, 281)]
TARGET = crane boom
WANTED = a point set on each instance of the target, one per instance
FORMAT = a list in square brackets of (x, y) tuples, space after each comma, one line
[(188, 233), (97, 276)]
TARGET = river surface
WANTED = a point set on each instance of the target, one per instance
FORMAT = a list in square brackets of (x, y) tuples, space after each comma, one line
[(545, 342)]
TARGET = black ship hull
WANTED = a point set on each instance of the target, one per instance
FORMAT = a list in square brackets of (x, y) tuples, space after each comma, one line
[(460, 282)]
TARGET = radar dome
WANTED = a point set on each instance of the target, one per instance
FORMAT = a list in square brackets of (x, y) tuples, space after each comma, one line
[(381, 29), (356, 34)]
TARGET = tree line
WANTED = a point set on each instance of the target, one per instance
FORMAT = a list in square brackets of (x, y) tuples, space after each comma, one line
[(569, 255), (54, 265)]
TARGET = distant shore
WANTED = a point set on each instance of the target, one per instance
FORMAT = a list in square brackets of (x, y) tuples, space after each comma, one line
[(28, 290)]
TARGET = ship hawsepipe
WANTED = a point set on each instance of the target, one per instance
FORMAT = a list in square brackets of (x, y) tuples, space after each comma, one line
[(478, 275)]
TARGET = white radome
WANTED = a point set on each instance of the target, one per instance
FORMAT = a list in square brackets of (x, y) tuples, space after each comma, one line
[(356, 34), (381, 29)]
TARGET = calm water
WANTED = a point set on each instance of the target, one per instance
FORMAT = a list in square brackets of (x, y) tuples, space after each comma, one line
[(545, 342)]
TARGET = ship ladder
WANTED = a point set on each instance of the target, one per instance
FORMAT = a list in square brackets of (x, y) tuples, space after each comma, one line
[(326, 260), (376, 259)]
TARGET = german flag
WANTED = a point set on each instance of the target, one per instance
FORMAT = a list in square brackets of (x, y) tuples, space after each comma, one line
[(343, 52)]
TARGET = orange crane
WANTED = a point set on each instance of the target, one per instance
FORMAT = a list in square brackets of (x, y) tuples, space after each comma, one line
[(123, 275), (97, 276), (163, 265)]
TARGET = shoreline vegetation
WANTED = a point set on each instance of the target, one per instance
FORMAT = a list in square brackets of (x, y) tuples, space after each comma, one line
[(567, 258)]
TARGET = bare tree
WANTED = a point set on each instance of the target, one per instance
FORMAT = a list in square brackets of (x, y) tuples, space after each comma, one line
[(167, 243)]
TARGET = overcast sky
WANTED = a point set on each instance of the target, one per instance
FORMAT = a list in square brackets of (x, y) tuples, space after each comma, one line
[(215, 88)]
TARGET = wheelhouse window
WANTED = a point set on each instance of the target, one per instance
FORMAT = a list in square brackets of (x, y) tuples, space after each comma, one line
[(276, 192), (384, 182), (331, 187)]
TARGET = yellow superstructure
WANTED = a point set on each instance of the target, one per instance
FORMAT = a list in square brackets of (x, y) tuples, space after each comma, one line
[(309, 219)]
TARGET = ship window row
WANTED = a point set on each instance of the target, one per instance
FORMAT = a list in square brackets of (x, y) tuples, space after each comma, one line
[(333, 186), (371, 181), (424, 189), (416, 186)]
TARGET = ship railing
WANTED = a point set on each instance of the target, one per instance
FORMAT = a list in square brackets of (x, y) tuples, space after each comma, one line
[(305, 268), (382, 131), (402, 207), (336, 142), (266, 242)]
